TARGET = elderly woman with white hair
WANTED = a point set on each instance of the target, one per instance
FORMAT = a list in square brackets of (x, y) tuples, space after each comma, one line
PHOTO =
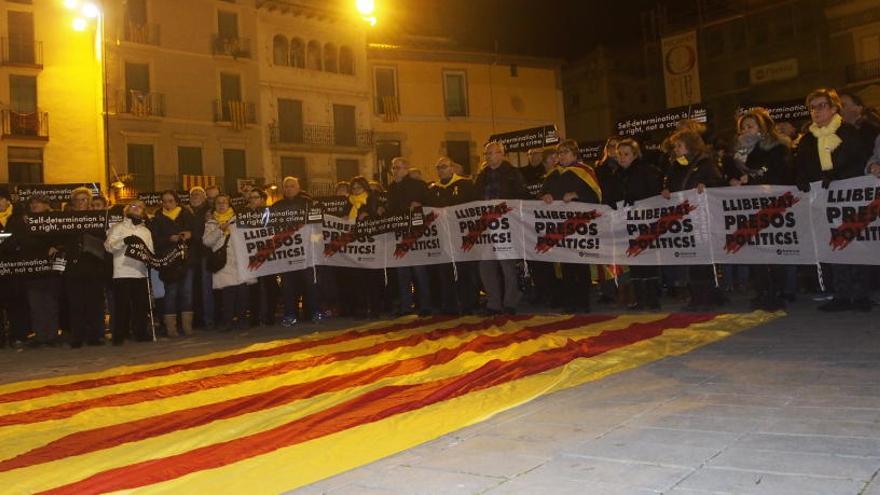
[(130, 287)]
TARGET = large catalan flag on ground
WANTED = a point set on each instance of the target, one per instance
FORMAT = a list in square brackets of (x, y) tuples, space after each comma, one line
[(275, 416)]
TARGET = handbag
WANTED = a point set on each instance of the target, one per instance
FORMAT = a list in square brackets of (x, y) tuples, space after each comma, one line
[(217, 259)]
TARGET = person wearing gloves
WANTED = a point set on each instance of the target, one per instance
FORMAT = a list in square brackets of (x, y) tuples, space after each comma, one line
[(130, 288), (833, 150), (232, 284)]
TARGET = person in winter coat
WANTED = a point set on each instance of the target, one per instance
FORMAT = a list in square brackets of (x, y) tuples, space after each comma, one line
[(404, 194), (362, 288), (573, 181), (639, 180), (833, 150), (130, 287), (173, 225), (456, 296), (297, 284), (229, 281), (13, 300), (694, 168), (763, 157), (84, 278), (498, 179), (202, 291)]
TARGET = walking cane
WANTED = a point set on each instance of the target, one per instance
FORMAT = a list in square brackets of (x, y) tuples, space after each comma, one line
[(150, 305)]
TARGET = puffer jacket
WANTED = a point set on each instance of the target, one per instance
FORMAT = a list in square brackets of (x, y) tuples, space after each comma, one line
[(123, 266), (229, 275)]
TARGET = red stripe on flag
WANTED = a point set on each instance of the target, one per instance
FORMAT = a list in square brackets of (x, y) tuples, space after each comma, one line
[(367, 408), (69, 409), (111, 436), (47, 390)]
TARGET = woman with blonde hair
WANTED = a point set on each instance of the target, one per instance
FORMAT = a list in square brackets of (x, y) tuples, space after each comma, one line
[(228, 279)]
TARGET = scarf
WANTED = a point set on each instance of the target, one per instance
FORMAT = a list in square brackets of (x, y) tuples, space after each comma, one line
[(682, 160), (455, 178), (5, 214), (357, 201), (223, 217), (827, 140), (586, 174), (172, 214)]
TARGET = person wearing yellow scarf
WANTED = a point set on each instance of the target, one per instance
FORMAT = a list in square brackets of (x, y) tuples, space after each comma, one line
[(223, 218), (827, 140)]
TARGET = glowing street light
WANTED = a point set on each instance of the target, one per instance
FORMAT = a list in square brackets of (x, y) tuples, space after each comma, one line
[(80, 24), (365, 7), (71, 4), (90, 10)]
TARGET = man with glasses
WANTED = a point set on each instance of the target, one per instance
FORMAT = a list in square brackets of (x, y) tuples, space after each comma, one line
[(833, 150), (263, 294), (452, 189), (404, 194), (498, 179)]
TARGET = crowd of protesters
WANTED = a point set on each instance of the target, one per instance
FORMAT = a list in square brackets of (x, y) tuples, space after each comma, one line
[(208, 291)]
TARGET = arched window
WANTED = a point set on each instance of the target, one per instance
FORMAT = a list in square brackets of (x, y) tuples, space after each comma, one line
[(279, 50), (346, 60), (297, 53), (313, 58), (330, 54)]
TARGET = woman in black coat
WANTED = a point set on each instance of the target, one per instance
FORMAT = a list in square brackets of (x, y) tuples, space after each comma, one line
[(694, 168), (639, 180), (362, 288), (172, 226), (763, 157)]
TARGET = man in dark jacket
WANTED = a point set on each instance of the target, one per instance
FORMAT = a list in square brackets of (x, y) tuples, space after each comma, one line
[(203, 290), (573, 181), (834, 150), (498, 179), (404, 194), (84, 278), (452, 189), (298, 284)]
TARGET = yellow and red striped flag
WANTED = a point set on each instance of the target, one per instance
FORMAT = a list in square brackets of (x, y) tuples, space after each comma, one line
[(276, 416)]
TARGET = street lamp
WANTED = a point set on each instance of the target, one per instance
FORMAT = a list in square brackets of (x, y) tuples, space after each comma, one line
[(367, 10)]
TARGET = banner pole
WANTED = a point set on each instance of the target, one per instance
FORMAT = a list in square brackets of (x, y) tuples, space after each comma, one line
[(150, 305)]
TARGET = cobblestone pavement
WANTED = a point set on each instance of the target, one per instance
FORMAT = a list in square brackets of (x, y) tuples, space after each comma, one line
[(791, 407)]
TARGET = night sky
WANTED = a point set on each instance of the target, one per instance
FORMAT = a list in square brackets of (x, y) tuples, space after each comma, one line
[(551, 28)]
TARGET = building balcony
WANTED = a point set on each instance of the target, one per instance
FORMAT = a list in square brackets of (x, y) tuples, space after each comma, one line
[(864, 71), (231, 47), (142, 33), (25, 125), (320, 136), (237, 113), (21, 53), (140, 103)]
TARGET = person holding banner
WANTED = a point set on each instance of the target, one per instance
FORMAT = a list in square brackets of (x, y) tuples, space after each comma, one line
[(451, 189), (543, 273), (361, 289), (229, 281), (639, 180), (171, 226), (833, 150), (43, 289), (299, 283), (404, 194), (264, 294), (763, 157), (577, 182), (202, 290), (694, 168), (498, 179), (84, 278), (13, 301), (130, 289)]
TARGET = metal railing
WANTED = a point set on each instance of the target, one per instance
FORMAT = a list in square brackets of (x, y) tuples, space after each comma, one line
[(141, 104), (33, 125), (143, 33), (864, 71), (236, 112), (320, 135), (24, 52), (231, 46)]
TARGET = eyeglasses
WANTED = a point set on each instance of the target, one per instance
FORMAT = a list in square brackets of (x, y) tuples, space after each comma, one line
[(822, 105)]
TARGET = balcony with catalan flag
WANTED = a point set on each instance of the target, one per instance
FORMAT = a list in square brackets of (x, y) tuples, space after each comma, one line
[(25, 125), (239, 114)]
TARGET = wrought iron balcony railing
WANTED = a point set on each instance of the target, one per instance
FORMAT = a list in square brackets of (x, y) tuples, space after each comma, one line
[(32, 125), (144, 33), (231, 46), (141, 104), (21, 52), (239, 113), (320, 135), (865, 71)]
